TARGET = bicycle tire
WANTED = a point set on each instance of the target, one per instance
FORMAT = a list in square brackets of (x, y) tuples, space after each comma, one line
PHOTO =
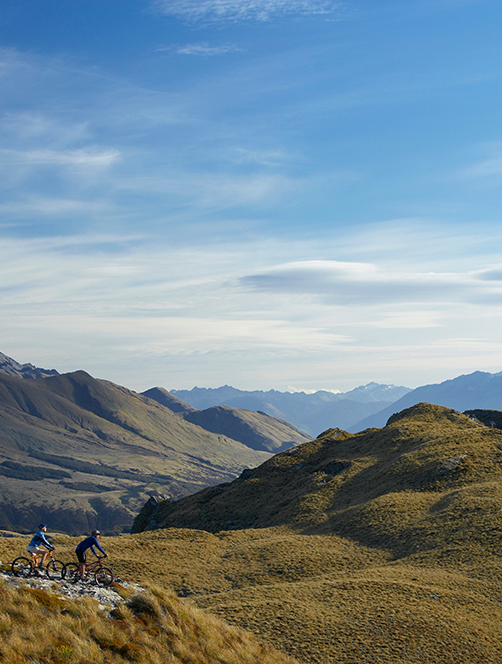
[(70, 571), (55, 570), (103, 577), (22, 567)]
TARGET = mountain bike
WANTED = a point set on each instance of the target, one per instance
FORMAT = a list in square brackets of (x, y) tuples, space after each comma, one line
[(24, 567), (103, 576)]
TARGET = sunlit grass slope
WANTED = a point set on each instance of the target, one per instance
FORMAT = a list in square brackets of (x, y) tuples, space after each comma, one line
[(382, 547), (153, 627), (432, 477), (85, 453), (323, 598)]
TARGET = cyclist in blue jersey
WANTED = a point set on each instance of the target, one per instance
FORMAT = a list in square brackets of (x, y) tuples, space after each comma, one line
[(82, 548), (38, 541)]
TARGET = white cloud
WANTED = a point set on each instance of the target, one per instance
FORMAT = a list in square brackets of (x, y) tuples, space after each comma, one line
[(242, 10), (493, 273), (53, 206), (205, 49), (483, 169), (356, 284), (409, 320), (86, 157)]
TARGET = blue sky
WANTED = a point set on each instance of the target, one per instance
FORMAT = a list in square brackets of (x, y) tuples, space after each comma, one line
[(288, 194)]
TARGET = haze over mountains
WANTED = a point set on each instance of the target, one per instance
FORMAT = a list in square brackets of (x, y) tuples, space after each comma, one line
[(364, 407), (257, 430), (309, 412)]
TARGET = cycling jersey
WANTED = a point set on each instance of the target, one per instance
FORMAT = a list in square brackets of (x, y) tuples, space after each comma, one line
[(90, 543), (40, 540)]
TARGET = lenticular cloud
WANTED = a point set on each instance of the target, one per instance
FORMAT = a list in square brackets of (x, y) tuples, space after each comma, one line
[(235, 10)]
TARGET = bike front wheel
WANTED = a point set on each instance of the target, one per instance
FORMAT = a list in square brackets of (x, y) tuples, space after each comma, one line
[(22, 567), (55, 570), (70, 572), (103, 577)]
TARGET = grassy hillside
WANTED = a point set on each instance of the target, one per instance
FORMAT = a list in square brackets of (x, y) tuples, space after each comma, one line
[(381, 547), (153, 627), (111, 448), (323, 599), (257, 430), (405, 482)]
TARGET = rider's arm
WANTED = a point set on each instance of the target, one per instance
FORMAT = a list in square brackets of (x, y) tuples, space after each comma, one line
[(44, 541), (94, 551)]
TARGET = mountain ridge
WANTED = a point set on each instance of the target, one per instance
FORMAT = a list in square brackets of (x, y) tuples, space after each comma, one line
[(107, 431), (11, 367), (428, 461), (479, 389)]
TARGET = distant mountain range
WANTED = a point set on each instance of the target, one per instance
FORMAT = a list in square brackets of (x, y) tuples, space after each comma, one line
[(88, 453), (480, 389), (312, 413), (362, 408)]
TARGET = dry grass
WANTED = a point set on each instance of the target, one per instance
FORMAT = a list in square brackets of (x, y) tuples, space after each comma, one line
[(152, 628), (324, 599), (394, 559)]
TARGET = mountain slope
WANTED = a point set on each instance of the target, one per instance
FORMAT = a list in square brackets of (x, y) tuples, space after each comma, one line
[(477, 390), (403, 485), (257, 430), (168, 400), (87, 453), (40, 624)]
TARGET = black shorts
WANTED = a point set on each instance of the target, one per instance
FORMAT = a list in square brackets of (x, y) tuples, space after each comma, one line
[(80, 555)]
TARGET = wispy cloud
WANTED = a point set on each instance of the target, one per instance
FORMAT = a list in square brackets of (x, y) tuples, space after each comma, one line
[(243, 10), (202, 49), (356, 284), (483, 169), (53, 206), (93, 157)]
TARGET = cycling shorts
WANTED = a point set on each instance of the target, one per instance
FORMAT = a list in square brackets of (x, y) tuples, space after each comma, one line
[(33, 549), (80, 555)]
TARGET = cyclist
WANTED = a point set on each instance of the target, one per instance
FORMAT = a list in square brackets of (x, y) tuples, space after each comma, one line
[(81, 550), (38, 541)]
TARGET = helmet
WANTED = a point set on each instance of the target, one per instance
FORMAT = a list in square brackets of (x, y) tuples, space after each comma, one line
[(42, 525), (95, 532)]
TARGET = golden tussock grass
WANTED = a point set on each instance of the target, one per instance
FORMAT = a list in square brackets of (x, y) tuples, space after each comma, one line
[(154, 627), (381, 547)]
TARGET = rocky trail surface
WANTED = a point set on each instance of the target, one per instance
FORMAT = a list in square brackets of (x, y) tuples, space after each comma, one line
[(108, 598)]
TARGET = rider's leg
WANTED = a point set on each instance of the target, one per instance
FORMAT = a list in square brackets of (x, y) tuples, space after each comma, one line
[(33, 551), (81, 563)]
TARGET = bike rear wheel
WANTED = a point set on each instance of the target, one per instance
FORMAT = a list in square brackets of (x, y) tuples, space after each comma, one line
[(103, 577), (55, 570), (22, 567)]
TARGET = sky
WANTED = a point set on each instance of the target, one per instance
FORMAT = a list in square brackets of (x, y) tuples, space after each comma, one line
[(270, 194)]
